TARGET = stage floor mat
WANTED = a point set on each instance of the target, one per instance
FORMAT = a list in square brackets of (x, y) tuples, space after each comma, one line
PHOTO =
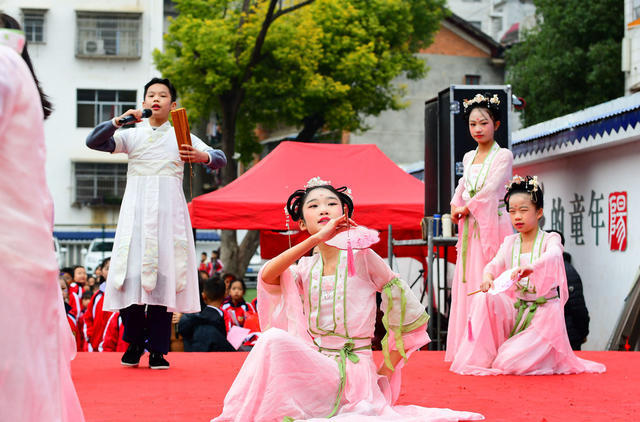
[(195, 386)]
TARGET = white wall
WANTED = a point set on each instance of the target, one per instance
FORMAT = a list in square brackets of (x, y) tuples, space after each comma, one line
[(485, 11), (607, 275), (470, 10), (61, 73)]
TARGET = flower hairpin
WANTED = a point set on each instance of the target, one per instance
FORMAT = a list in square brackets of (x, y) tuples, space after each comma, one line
[(316, 181), (479, 99), (532, 183)]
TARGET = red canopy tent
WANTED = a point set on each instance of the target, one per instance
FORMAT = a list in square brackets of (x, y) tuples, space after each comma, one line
[(382, 193)]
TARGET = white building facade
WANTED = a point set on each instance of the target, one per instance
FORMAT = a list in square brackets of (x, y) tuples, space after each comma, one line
[(631, 46), (92, 59), (496, 17)]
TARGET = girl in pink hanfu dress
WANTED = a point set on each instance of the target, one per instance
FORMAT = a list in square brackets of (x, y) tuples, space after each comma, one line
[(521, 331), (478, 210), (37, 345), (314, 359)]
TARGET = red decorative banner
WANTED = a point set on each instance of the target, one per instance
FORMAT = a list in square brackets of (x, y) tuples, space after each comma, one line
[(618, 221)]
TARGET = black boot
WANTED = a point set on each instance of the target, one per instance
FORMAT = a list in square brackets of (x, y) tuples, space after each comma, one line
[(157, 361), (132, 356)]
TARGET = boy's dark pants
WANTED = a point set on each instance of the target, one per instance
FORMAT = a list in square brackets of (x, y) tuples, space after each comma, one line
[(148, 326)]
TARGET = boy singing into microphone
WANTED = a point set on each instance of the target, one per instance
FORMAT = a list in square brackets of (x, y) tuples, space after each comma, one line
[(153, 263)]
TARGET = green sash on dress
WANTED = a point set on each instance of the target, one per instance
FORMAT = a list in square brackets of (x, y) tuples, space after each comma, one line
[(522, 305)]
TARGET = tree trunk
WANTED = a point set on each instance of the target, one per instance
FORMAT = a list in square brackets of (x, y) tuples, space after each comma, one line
[(234, 257), (193, 186), (312, 124)]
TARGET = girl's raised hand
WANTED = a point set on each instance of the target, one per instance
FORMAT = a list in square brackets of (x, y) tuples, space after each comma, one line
[(333, 227), (521, 272)]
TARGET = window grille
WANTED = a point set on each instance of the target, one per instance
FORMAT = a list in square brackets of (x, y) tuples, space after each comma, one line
[(98, 105), (33, 24), (99, 183), (108, 35)]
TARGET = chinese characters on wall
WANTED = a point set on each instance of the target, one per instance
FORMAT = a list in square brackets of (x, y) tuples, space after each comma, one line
[(618, 221), (595, 209)]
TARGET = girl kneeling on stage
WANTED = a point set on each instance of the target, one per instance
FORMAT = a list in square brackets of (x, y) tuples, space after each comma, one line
[(521, 330), (314, 359)]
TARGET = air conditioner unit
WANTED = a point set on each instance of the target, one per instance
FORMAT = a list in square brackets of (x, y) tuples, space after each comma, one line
[(93, 48)]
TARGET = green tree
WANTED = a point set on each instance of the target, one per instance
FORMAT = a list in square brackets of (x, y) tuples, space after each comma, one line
[(570, 60), (360, 47), (311, 64)]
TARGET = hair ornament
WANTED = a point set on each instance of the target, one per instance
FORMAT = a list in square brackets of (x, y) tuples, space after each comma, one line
[(480, 99), (293, 208), (531, 183), (314, 182)]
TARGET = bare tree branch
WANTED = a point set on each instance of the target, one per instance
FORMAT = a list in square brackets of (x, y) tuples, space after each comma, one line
[(292, 8), (271, 16)]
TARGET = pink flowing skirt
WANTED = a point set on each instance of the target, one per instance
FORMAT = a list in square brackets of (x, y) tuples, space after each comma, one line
[(284, 376), (541, 349)]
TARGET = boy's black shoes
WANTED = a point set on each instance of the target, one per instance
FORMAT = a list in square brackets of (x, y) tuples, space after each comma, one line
[(157, 361), (132, 356)]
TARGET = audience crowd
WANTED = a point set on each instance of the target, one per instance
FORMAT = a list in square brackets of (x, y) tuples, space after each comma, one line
[(222, 307)]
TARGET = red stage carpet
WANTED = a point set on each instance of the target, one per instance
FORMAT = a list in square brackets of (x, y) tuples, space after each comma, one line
[(195, 386)]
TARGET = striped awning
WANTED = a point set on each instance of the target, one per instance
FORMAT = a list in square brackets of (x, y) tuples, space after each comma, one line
[(607, 122)]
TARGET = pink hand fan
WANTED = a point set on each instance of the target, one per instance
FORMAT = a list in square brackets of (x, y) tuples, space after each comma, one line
[(359, 237), (502, 282)]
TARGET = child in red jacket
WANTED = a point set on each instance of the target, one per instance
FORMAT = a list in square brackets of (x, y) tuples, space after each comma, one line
[(95, 319), (235, 304), (77, 288), (112, 337)]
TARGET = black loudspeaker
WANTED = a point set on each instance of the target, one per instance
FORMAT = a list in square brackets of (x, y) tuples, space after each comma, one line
[(447, 139)]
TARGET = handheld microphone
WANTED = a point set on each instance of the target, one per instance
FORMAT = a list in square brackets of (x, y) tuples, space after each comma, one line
[(146, 113)]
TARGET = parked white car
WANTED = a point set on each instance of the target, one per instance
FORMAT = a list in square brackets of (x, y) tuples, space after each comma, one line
[(98, 250)]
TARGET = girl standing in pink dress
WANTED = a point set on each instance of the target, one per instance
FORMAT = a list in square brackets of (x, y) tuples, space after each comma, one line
[(478, 210), (37, 345), (314, 358), (521, 330)]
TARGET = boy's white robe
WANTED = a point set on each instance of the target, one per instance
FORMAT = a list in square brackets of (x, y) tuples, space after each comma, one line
[(153, 260)]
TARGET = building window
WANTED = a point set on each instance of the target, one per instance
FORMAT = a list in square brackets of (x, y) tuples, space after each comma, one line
[(33, 24), (108, 35), (98, 105), (636, 9), (496, 22), (472, 79), (99, 183)]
